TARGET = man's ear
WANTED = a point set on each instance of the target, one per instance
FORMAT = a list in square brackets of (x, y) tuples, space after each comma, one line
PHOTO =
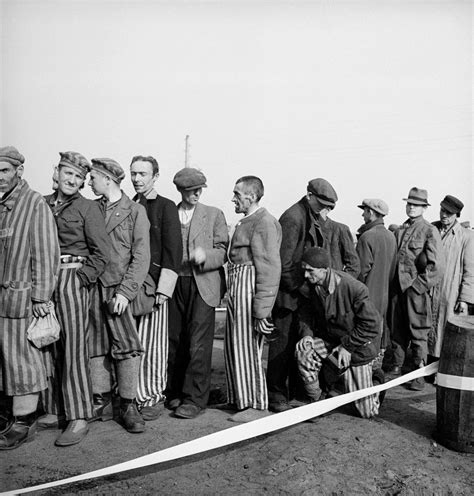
[(19, 170)]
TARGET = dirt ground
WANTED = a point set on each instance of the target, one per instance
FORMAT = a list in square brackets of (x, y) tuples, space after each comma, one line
[(338, 454)]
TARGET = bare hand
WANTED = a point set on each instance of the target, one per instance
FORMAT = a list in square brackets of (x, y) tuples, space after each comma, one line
[(304, 343), (198, 256), (461, 307), (343, 357), (120, 304), (41, 309), (160, 299)]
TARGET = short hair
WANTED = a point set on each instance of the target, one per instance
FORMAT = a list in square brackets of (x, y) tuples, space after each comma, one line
[(254, 183), (152, 160)]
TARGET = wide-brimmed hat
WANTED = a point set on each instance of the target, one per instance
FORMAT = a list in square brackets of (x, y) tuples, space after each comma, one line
[(417, 196), (452, 204)]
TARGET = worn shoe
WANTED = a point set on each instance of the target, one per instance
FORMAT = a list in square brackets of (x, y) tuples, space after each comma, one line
[(131, 419), (103, 407), (393, 372), (417, 384), (248, 415), (172, 404), (48, 421), (188, 411), (152, 412), (21, 430), (74, 433), (279, 406)]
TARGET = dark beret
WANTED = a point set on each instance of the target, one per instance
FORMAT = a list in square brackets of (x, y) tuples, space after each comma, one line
[(323, 191), (109, 167), (317, 257), (189, 178), (76, 161), (452, 204), (11, 155)]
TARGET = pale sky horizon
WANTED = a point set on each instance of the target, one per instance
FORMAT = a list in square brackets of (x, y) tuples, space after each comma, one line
[(374, 96)]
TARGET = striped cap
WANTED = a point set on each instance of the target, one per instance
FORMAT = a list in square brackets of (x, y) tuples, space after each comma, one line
[(76, 161), (109, 167), (11, 155)]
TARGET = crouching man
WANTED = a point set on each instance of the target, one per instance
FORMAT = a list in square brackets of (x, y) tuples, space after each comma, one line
[(340, 326)]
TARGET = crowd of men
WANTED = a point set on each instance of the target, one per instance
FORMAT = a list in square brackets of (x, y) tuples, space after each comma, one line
[(135, 283)]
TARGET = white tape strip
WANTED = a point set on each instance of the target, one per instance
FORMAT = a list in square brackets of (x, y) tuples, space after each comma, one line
[(238, 433), (455, 382)]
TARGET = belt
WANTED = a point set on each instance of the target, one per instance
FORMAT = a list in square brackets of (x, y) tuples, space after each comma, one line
[(70, 265), (66, 259)]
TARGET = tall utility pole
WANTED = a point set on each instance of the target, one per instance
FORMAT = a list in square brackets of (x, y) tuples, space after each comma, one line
[(186, 151)]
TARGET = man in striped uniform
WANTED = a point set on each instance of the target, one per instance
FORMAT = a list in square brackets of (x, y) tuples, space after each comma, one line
[(29, 265), (340, 325), (253, 277), (166, 254), (113, 329), (84, 254)]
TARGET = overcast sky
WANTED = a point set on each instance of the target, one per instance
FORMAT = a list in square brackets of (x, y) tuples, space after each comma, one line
[(375, 96)]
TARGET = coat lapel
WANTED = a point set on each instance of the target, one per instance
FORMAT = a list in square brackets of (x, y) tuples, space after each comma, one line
[(198, 222), (122, 211)]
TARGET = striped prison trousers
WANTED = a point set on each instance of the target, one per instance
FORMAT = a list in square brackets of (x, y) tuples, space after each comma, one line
[(243, 347), (310, 360), (70, 387), (22, 369), (153, 333)]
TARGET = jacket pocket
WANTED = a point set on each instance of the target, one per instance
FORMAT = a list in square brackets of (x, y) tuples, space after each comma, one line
[(16, 299)]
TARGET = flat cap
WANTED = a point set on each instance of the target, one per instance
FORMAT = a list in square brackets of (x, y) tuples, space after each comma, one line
[(452, 204), (109, 167), (189, 178), (316, 257), (11, 155), (376, 205), (76, 161), (417, 196), (323, 191)]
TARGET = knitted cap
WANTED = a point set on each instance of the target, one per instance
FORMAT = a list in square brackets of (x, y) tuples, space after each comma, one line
[(317, 257), (11, 155), (109, 167), (76, 161)]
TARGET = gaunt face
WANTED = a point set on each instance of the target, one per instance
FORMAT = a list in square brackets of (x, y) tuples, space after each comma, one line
[(69, 180), (143, 179)]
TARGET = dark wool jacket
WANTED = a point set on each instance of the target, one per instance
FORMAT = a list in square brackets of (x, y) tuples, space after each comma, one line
[(343, 314), (300, 231), (340, 245), (166, 246), (377, 252)]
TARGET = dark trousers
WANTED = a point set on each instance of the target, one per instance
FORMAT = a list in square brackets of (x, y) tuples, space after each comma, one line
[(191, 334), (410, 322), (283, 381)]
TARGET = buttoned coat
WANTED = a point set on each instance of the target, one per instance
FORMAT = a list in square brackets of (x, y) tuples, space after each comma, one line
[(208, 230), (377, 252), (129, 231), (420, 256), (29, 252), (457, 284), (256, 240)]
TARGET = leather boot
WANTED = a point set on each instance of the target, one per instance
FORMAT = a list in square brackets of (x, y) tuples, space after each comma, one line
[(21, 430), (130, 417), (103, 407)]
